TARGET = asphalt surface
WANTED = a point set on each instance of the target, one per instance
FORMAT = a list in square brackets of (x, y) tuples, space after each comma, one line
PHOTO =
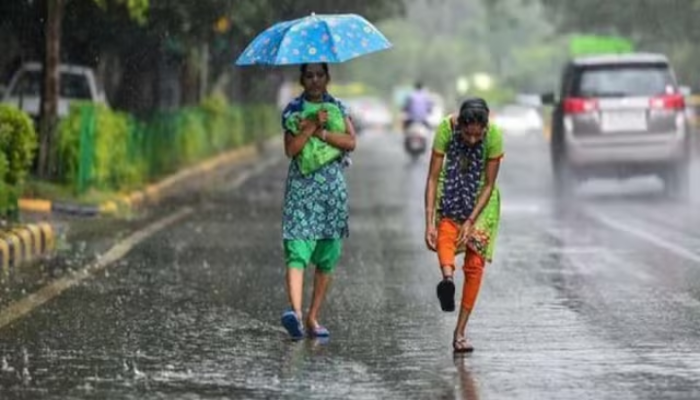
[(593, 298)]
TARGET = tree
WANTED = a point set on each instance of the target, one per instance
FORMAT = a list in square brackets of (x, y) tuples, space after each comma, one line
[(667, 26), (439, 42), (49, 99)]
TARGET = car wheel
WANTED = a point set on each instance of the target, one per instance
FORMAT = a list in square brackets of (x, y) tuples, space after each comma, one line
[(677, 181), (565, 180)]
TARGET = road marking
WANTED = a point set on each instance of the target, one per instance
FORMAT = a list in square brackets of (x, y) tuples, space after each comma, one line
[(258, 169), (646, 236), (28, 304)]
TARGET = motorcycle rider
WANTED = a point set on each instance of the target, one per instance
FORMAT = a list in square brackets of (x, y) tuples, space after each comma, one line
[(418, 107)]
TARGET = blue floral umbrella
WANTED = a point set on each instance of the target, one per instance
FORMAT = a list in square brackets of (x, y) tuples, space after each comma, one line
[(315, 39)]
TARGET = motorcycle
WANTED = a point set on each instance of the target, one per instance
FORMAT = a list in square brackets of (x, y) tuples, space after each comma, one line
[(416, 139)]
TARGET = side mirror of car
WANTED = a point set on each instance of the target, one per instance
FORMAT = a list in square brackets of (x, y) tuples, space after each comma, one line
[(548, 99)]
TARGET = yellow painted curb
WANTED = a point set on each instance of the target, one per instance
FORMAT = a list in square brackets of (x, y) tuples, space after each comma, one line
[(35, 233), (152, 194), (13, 241), (25, 242), (49, 240), (125, 201), (137, 198), (5, 253), (109, 208), (33, 205)]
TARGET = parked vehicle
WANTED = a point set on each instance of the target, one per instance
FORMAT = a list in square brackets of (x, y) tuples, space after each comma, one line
[(76, 83)]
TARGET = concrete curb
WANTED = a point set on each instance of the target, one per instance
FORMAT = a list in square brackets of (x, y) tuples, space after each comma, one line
[(150, 195), (25, 243)]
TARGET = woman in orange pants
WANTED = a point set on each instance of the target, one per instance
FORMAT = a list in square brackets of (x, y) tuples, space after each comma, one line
[(463, 204)]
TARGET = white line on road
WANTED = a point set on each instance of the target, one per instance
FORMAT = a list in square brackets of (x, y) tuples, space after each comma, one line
[(258, 169), (646, 236), (23, 307)]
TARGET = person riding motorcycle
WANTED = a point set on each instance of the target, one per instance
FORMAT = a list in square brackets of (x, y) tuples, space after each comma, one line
[(418, 107)]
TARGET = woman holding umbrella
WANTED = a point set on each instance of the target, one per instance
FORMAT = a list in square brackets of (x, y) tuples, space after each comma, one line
[(318, 136), (316, 202)]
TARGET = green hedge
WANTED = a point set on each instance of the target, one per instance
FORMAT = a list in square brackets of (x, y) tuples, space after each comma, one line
[(18, 144), (107, 150)]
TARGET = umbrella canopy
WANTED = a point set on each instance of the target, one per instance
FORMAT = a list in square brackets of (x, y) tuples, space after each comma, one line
[(315, 39)]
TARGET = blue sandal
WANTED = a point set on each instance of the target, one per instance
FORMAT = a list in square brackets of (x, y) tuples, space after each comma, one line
[(319, 332), (291, 323)]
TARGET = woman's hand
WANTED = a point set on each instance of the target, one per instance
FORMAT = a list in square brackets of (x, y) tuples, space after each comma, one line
[(465, 231), (308, 127), (323, 117), (431, 234)]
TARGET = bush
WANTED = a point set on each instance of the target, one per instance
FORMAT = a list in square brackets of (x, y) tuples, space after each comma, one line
[(68, 148), (236, 125), (106, 161), (4, 187), (18, 143), (192, 137), (216, 118), (121, 153)]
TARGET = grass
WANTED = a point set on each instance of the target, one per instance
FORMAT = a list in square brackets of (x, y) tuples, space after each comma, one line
[(38, 189)]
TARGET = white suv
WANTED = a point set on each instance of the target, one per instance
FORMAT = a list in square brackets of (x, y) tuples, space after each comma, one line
[(620, 116)]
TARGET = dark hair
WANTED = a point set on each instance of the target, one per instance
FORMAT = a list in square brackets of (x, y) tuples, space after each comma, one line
[(419, 85), (474, 110), (305, 67)]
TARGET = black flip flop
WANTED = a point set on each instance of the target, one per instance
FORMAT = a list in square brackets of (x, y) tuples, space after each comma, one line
[(446, 295)]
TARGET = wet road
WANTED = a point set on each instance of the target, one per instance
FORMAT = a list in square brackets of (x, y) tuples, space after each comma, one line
[(598, 298)]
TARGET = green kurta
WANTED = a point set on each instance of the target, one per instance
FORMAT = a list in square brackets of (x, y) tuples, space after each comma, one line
[(485, 229)]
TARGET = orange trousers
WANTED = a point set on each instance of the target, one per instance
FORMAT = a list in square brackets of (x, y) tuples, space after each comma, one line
[(448, 232)]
